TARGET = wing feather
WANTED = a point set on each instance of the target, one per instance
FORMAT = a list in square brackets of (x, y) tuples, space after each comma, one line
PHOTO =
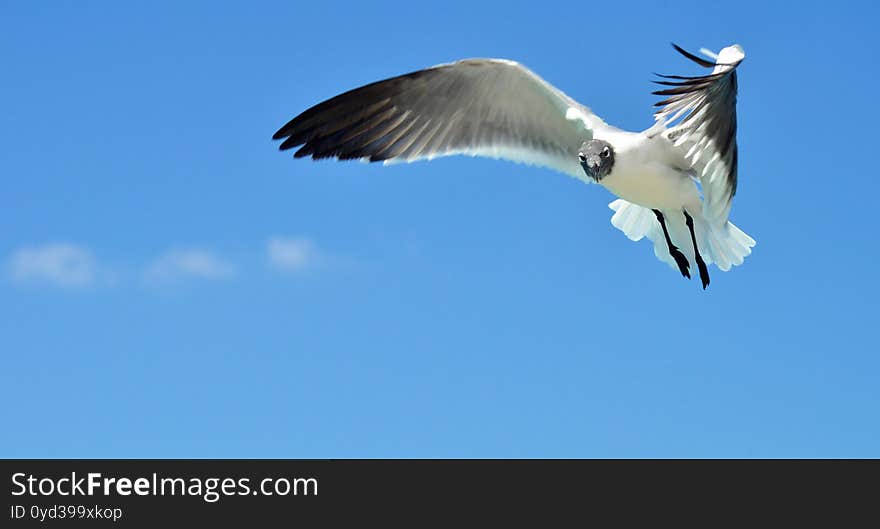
[(481, 107), (700, 113)]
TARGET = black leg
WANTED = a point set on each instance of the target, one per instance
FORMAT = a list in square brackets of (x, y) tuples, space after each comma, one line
[(679, 257), (704, 272)]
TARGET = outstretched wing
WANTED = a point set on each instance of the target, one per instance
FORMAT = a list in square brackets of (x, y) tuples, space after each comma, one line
[(481, 107), (706, 131)]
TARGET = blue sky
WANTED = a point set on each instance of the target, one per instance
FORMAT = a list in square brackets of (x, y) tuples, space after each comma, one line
[(173, 286)]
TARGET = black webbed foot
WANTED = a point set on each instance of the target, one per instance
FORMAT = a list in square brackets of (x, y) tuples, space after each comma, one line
[(682, 262), (704, 272), (701, 265)]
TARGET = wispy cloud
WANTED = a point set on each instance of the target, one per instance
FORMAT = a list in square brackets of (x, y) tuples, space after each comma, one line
[(292, 254), (72, 265), (182, 263), (62, 264)]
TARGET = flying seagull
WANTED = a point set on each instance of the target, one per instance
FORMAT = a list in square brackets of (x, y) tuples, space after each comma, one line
[(675, 180)]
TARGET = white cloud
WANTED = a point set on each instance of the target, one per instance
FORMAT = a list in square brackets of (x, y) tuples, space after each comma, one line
[(71, 265), (62, 264), (183, 263), (292, 254)]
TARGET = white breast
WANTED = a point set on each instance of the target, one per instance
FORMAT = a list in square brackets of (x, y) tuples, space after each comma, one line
[(643, 174)]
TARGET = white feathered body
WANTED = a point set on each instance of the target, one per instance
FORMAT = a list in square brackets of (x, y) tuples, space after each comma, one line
[(646, 173)]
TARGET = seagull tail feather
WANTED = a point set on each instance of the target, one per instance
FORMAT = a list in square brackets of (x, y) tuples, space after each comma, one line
[(724, 245)]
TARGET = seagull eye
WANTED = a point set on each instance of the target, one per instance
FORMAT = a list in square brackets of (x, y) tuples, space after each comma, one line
[(606, 153), (582, 157)]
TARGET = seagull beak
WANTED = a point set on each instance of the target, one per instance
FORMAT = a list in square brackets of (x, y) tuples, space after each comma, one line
[(587, 170), (591, 167)]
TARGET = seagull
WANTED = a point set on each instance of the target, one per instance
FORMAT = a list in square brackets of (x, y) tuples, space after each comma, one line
[(675, 181)]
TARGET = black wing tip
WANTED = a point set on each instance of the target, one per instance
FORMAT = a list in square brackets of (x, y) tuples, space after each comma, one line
[(286, 130), (699, 60), (288, 143)]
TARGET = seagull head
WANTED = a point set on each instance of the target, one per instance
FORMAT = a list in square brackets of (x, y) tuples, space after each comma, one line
[(597, 158)]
